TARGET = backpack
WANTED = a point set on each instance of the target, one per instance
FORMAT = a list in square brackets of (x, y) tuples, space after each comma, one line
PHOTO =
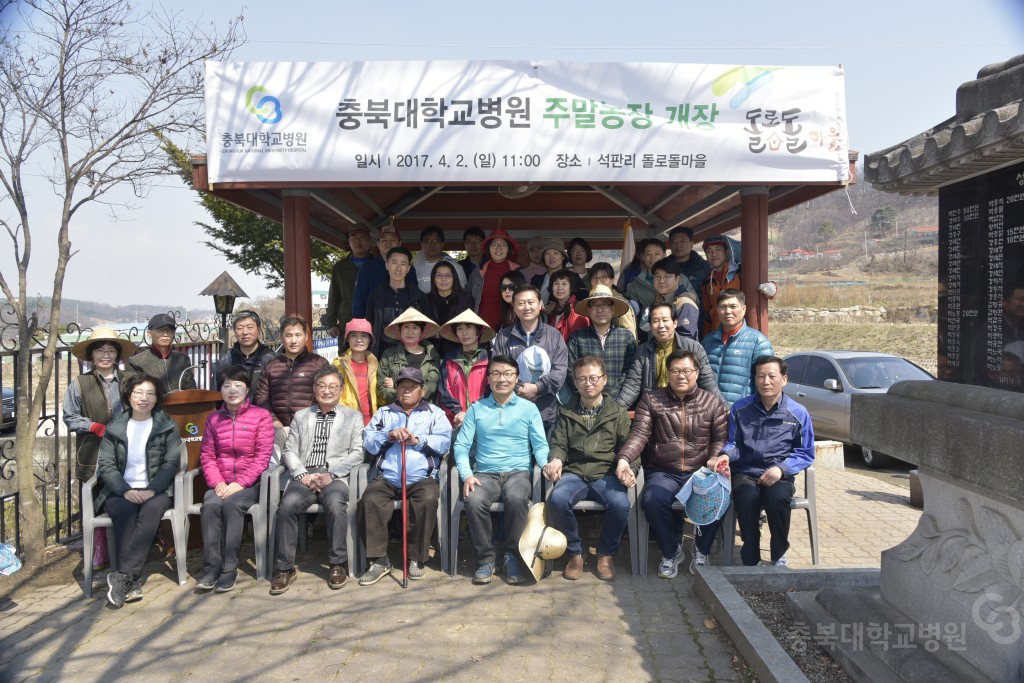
[(706, 496)]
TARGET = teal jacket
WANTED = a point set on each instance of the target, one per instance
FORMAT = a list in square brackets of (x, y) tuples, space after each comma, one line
[(163, 456), (504, 437), (733, 361)]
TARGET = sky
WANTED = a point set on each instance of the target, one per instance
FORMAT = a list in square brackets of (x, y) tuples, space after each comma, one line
[(903, 62)]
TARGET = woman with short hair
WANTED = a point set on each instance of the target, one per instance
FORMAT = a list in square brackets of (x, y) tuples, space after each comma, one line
[(139, 456), (237, 443)]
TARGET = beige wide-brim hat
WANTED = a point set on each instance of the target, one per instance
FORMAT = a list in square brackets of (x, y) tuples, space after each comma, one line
[(540, 542), (411, 315), (81, 349), (469, 317), (602, 293)]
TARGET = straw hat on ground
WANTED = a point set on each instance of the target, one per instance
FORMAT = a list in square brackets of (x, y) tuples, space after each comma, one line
[(467, 316), (411, 315), (540, 542), (81, 349), (602, 293)]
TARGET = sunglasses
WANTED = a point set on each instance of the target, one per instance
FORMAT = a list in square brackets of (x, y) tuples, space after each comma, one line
[(508, 288)]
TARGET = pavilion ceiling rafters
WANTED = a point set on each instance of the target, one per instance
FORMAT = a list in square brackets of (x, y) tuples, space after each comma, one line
[(700, 207), (407, 203), (328, 232), (632, 207), (338, 207)]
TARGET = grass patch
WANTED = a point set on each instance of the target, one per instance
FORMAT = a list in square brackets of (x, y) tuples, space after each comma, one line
[(917, 343), (889, 295)]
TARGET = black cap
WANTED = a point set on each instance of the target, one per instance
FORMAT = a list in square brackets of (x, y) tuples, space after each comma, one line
[(161, 320), (412, 374)]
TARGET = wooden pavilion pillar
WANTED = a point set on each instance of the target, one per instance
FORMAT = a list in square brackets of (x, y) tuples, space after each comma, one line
[(754, 233), (298, 290)]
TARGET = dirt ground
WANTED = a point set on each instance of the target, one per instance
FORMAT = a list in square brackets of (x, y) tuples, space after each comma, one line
[(62, 565)]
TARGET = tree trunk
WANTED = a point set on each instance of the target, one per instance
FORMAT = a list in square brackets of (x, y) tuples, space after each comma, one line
[(33, 523)]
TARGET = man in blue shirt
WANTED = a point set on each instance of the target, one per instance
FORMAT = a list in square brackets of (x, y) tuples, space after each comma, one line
[(770, 440), (506, 430), (427, 435)]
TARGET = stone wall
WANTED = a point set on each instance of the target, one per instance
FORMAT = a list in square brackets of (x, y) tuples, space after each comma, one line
[(854, 314)]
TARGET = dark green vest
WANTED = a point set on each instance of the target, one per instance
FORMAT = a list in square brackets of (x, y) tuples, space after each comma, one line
[(94, 407)]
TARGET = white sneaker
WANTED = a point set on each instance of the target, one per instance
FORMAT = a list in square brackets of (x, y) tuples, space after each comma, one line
[(699, 560), (781, 562), (670, 567)]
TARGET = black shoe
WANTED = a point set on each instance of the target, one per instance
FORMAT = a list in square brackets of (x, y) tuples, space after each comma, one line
[(226, 582), (119, 584), (206, 582), (134, 593)]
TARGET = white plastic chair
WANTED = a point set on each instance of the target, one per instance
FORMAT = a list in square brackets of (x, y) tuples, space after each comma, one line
[(364, 479), (91, 521), (269, 482), (258, 512), (807, 502), (631, 524), (457, 505)]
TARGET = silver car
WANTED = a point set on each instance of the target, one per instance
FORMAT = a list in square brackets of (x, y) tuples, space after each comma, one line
[(824, 381)]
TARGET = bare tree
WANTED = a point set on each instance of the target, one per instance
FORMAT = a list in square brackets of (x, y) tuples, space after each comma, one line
[(85, 86)]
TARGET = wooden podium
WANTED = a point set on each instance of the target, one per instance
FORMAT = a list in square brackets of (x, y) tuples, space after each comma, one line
[(189, 409)]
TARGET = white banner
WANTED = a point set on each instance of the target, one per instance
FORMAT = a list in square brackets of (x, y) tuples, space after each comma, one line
[(486, 122)]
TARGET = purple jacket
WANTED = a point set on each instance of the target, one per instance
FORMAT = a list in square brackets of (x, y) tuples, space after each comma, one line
[(237, 449)]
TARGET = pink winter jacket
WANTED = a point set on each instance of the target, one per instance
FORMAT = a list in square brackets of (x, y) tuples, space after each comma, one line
[(237, 449)]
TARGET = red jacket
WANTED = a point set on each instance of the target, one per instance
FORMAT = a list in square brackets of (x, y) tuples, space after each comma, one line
[(454, 384), (236, 449), (570, 322)]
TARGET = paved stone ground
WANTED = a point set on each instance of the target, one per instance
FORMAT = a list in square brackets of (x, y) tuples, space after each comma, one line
[(440, 628)]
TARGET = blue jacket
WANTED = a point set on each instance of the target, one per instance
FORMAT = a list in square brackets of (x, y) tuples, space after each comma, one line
[(759, 438), (732, 362), (504, 437), (427, 422)]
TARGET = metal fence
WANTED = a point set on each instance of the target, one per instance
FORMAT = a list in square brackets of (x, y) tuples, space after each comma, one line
[(57, 489)]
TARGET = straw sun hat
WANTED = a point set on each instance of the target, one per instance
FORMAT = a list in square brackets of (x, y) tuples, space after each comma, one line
[(81, 349), (540, 542), (411, 315), (467, 316)]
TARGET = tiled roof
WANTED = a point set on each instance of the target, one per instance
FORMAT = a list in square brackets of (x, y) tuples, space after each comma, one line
[(987, 132)]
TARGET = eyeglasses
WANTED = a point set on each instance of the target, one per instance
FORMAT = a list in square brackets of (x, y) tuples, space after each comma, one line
[(143, 394), (443, 275), (508, 374), (508, 288), (328, 387), (689, 372), (593, 379), (105, 352)]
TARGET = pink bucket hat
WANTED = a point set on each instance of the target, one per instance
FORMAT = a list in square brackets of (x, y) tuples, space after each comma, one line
[(358, 325)]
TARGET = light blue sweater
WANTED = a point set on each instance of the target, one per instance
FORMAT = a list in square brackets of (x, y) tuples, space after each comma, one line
[(504, 437)]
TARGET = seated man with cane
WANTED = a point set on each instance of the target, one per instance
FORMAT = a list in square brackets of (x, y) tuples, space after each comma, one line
[(416, 434), (323, 445)]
